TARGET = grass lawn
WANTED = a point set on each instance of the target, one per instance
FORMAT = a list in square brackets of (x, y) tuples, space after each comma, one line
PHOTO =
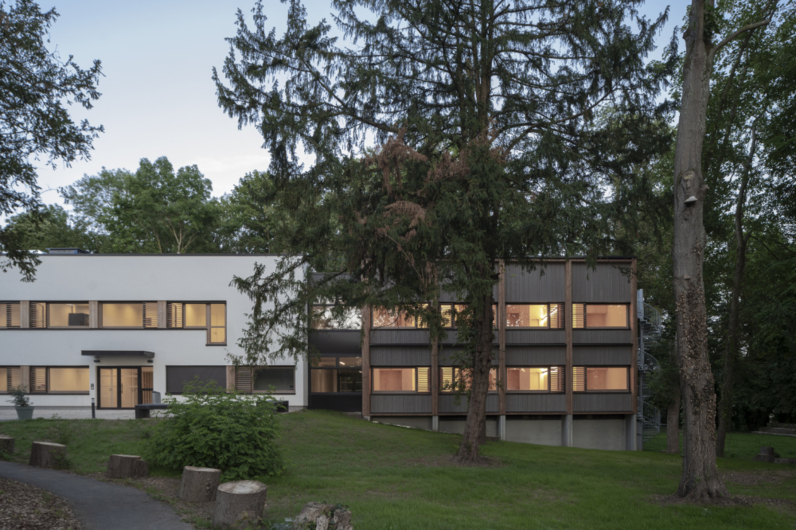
[(396, 478)]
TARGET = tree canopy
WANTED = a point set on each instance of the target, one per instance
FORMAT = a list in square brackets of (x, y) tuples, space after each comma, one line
[(36, 86)]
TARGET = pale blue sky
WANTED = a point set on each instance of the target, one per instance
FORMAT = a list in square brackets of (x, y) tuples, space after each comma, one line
[(158, 98)]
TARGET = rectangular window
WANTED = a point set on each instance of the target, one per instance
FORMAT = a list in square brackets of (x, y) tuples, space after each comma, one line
[(218, 324), (594, 378), (174, 317), (401, 379), (9, 315), (195, 315), (10, 378), (449, 374), (323, 381), (546, 316), (59, 380), (336, 374), (534, 379), (451, 313), (68, 315), (38, 315), (123, 315), (279, 380), (178, 376), (323, 317), (600, 316)]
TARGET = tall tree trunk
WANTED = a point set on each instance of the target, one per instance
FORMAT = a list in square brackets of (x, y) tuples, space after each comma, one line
[(475, 425), (700, 478), (673, 425), (733, 325)]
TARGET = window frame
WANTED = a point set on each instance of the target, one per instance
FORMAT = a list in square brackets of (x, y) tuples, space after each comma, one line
[(275, 392), (5, 304), (48, 314), (605, 391), (208, 327), (415, 326), (561, 370), (48, 392), (562, 308), (586, 318), (336, 368), (312, 314), (101, 315), (387, 392), (457, 369), (21, 382)]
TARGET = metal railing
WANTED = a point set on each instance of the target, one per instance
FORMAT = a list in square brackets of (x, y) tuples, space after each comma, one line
[(650, 417)]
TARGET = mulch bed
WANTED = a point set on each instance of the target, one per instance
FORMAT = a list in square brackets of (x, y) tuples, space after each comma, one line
[(26, 507)]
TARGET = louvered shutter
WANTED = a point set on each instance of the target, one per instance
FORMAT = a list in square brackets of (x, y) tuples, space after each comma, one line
[(578, 315), (579, 379), (38, 315), (174, 312), (243, 380), (150, 314)]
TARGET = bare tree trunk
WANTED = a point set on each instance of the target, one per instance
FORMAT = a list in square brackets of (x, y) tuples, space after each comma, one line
[(733, 325), (700, 478), (673, 425), (475, 426)]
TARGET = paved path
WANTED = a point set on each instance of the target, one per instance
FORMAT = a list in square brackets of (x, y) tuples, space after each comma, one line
[(99, 505), (69, 413)]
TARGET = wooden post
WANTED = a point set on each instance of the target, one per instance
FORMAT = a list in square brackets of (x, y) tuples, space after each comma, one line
[(127, 466), (568, 334), (6, 444), (366, 362), (501, 322), (93, 314), (435, 377), (239, 502), (46, 454), (199, 484), (24, 314), (231, 384), (162, 314), (24, 375)]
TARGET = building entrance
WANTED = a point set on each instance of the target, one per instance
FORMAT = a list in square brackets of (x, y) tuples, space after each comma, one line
[(124, 388)]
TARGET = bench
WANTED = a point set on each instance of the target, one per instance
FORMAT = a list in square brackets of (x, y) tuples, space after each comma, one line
[(142, 411)]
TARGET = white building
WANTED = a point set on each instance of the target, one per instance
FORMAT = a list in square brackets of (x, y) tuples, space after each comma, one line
[(115, 328)]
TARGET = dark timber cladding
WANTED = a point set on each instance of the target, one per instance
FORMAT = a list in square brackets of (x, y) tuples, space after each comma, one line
[(600, 349)]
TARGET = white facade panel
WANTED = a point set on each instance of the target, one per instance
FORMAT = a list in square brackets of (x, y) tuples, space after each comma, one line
[(132, 278)]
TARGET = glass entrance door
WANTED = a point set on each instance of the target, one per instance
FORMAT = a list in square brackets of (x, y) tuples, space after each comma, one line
[(124, 388)]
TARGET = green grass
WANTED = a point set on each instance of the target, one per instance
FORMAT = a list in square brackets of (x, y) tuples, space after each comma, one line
[(396, 478), (743, 446)]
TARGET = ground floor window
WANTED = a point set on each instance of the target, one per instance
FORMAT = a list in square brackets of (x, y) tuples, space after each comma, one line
[(276, 379), (340, 373), (10, 378), (535, 379), (59, 380), (178, 376), (463, 379), (599, 378), (401, 379)]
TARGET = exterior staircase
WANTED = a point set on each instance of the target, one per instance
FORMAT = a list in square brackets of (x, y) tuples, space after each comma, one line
[(650, 328)]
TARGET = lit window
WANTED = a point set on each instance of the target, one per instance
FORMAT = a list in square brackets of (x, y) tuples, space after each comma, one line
[(10, 378), (195, 315), (463, 379), (59, 380), (385, 318), (547, 379), (453, 315), (599, 316), (38, 315), (9, 315), (534, 315), (218, 323), (400, 379), (591, 378), (69, 315), (130, 315)]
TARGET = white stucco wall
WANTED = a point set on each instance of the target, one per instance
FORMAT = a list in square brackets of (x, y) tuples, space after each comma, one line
[(132, 278)]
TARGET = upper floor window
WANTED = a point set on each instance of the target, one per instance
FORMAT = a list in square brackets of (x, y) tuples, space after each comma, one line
[(9, 315), (385, 318), (401, 379), (535, 379), (210, 316), (600, 316), (598, 378), (323, 317), (129, 315), (463, 379), (68, 315), (550, 316)]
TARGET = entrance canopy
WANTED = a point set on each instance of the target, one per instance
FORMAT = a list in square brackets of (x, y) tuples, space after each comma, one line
[(119, 353)]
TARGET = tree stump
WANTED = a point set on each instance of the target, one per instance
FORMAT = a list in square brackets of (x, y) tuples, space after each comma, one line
[(127, 466), (239, 502), (766, 454), (199, 484), (6, 444), (46, 454)]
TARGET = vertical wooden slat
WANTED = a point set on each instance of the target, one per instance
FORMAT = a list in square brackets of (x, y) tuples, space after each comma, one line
[(366, 385), (24, 314), (568, 334), (501, 318), (634, 334), (435, 373), (162, 314), (25, 378), (230, 378)]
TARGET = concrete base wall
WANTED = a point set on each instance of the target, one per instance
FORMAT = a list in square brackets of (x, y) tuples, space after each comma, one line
[(455, 426), (417, 422), (539, 432), (600, 434)]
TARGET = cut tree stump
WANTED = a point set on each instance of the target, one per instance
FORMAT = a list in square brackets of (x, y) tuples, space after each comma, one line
[(199, 484), (6, 444), (46, 454), (240, 502), (127, 466)]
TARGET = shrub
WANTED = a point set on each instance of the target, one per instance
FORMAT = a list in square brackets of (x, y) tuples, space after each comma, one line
[(19, 398), (211, 427)]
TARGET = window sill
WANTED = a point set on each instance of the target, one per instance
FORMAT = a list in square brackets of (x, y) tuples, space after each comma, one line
[(601, 392)]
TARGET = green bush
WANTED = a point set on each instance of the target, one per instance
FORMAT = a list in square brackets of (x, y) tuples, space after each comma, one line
[(210, 427)]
